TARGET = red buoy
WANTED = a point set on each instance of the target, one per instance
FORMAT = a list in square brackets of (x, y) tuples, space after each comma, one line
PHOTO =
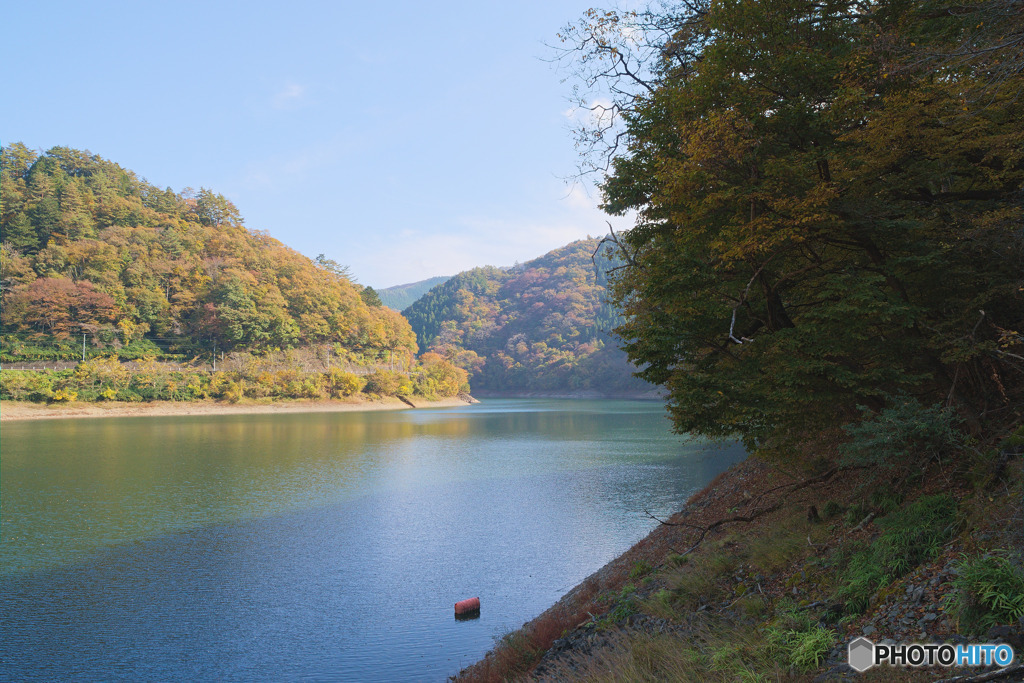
[(467, 606)]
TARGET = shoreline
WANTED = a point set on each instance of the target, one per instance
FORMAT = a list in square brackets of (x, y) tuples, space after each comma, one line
[(18, 411), (617, 618), (581, 394), (565, 617)]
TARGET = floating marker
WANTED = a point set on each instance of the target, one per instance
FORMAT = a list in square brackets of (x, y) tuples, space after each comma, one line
[(467, 606)]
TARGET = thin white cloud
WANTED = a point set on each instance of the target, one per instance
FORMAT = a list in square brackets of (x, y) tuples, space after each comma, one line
[(476, 240), (289, 97), (287, 167)]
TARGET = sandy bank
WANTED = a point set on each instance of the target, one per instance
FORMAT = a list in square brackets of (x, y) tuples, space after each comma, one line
[(20, 410)]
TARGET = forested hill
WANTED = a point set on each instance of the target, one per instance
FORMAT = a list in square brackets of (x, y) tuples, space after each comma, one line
[(88, 247), (403, 296), (541, 327)]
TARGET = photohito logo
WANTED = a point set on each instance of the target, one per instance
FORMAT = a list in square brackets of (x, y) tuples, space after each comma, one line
[(864, 654)]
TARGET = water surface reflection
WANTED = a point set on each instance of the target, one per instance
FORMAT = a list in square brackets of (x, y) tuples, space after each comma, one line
[(324, 546)]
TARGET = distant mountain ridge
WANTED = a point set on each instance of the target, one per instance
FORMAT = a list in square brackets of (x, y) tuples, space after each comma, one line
[(542, 327), (401, 297)]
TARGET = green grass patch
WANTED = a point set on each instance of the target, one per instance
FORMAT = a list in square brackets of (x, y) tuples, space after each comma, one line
[(698, 581), (886, 500), (989, 590), (640, 569), (797, 639), (909, 537), (804, 649)]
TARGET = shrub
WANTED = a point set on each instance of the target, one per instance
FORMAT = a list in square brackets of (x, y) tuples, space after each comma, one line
[(311, 387), (102, 371), (387, 383), (234, 391), (831, 509), (989, 590), (341, 384), (626, 605), (220, 383), (22, 385), (196, 386), (128, 395), (28, 385), (902, 434)]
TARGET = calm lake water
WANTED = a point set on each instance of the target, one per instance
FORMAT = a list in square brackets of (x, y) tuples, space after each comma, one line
[(316, 547)]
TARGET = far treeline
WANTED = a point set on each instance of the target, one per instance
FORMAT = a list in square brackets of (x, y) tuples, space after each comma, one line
[(830, 209), (91, 255), (541, 327)]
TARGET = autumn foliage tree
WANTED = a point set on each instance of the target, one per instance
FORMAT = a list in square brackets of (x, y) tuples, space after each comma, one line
[(829, 208), (59, 305)]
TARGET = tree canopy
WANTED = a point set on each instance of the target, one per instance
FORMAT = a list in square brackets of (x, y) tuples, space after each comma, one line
[(829, 201)]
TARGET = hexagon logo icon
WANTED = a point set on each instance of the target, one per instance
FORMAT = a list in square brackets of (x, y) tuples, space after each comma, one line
[(862, 654)]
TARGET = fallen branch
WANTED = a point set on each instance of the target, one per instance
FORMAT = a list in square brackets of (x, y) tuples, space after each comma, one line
[(704, 531), (815, 546), (664, 523), (728, 520), (863, 523), (805, 483), (813, 605)]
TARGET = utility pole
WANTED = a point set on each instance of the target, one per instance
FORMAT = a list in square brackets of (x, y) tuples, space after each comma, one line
[(83, 347), (215, 356)]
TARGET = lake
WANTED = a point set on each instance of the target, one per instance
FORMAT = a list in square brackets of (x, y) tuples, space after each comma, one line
[(324, 546)]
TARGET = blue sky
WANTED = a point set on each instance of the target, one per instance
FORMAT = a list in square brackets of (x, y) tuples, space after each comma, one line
[(406, 139)]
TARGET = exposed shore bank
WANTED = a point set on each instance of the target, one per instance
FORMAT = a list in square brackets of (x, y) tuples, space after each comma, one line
[(747, 557), (11, 411)]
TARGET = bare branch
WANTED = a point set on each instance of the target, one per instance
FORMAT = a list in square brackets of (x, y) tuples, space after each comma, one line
[(622, 57), (613, 238), (796, 486)]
